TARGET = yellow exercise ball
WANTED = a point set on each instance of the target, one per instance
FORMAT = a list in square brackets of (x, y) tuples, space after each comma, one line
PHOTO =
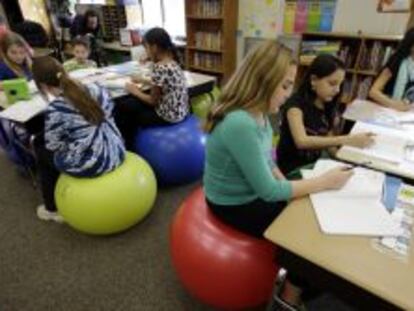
[(109, 203)]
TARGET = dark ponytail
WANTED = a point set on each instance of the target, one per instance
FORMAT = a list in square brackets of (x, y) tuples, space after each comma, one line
[(160, 37), (48, 71)]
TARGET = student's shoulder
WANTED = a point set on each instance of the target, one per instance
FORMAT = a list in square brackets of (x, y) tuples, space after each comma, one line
[(238, 120)]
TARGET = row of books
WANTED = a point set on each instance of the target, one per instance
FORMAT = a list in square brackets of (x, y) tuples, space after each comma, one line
[(375, 56), (206, 60), (207, 8), (114, 19), (209, 40), (356, 88), (310, 49)]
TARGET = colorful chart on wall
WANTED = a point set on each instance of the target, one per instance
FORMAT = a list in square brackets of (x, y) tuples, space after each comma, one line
[(260, 18), (393, 6), (308, 15)]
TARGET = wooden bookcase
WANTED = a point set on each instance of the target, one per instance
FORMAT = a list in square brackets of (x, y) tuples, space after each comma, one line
[(364, 56), (211, 36)]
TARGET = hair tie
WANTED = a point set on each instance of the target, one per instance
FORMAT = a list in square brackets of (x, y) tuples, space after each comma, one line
[(59, 75)]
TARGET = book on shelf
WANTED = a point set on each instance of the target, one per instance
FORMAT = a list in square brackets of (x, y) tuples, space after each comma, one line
[(310, 49), (208, 8), (375, 56), (208, 40), (364, 85), (207, 61)]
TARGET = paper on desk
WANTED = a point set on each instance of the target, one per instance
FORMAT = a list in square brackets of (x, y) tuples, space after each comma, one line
[(22, 111), (356, 209), (390, 145), (367, 111)]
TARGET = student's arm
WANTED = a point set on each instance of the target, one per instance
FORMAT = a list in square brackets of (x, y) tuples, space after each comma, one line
[(333, 179), (401, 81), (151, 99), (278, 174), (241, 140), (304, 141), (54, 130), (377, 94)]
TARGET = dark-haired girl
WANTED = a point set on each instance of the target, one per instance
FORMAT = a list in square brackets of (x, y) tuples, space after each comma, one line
[(167, 101), (80, 135), (388, 89), (311, 119)]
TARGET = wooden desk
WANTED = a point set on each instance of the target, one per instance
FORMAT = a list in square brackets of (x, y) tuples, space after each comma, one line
[(350, 258)]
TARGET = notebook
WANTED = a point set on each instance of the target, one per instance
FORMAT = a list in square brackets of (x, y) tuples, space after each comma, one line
[(390, 145), (357, 208), (22, 111)]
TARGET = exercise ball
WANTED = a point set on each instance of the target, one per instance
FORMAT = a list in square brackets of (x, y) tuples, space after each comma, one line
[(201, 105), (222, 267), (109, 203), (175, 152)]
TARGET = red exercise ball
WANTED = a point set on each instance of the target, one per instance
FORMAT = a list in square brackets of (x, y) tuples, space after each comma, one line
[(221, 266)]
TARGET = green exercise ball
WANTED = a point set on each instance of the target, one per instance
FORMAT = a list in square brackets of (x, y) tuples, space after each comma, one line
[(109, 203), (201, 105)]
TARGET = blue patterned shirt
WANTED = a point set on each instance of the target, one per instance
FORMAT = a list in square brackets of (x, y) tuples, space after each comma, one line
[(81, 148)]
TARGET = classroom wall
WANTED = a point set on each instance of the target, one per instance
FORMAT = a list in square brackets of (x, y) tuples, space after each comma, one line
[(263, 19), (357, 15)]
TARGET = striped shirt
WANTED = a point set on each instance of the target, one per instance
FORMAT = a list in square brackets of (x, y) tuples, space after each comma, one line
[(81, 148)]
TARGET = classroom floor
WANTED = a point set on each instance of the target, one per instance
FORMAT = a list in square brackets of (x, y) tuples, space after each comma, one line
[(47, 266)]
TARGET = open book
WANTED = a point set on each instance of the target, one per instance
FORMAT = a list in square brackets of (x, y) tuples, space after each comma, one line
[(356, 209), (390, 145)]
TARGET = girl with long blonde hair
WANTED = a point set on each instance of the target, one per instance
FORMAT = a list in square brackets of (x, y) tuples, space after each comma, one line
[(243, 186), (15, 59)]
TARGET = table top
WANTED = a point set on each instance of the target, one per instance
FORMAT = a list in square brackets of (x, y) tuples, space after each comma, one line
[(352, 258)]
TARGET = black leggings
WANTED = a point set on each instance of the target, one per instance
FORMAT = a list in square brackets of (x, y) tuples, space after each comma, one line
[(48, 174), (253, 218), (130, 114)]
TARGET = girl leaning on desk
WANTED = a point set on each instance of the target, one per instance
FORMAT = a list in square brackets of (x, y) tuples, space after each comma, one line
[(394, 87), (80, 136), (243, 186), (311, 121), (167, 101)]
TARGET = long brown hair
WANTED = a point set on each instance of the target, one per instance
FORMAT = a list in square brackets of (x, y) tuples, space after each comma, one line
[(48, 71), (254, 82), (9, 39)]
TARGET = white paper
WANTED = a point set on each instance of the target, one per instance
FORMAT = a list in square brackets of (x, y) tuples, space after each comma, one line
[(389, 144), (22, 111), (356, 209), (367, 111)]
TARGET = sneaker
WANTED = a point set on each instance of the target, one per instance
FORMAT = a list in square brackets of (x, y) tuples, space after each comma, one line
[(44, 214)]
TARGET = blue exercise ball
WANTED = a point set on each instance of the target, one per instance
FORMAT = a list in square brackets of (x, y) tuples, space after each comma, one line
[(175, 152)]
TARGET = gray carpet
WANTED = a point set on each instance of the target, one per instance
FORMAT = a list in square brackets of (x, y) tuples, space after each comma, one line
[(47, 266)]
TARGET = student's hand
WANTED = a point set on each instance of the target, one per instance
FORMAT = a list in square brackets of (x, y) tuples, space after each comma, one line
[(360, 140), (401, 105), (137, 78), (336, 178), (132, 88)]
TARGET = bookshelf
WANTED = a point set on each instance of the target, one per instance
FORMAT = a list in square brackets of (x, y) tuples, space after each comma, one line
[(363, 55), (211, 36), (114, 18)]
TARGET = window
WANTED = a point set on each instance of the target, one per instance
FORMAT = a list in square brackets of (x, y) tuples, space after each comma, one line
[(168, 14)]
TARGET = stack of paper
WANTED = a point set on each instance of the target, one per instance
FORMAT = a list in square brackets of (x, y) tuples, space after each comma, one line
[(356, 209), (22, 111)]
